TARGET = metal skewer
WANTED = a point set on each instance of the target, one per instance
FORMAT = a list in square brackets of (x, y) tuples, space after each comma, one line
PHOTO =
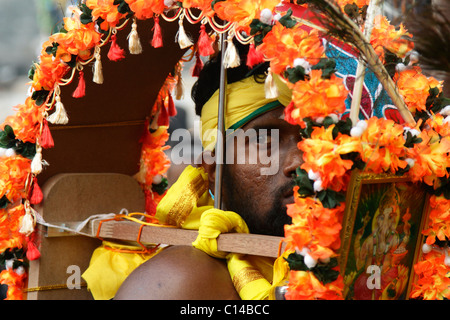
[(220, 145)]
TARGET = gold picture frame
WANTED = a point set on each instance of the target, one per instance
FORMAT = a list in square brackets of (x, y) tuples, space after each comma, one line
[(381, 235)]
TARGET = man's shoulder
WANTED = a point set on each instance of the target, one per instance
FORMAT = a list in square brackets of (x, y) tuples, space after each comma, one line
[(179, 273)]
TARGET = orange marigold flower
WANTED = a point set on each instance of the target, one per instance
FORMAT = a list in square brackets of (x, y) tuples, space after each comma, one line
[(13, 174), (438, 124), (106, 10), (359, 3), (15, 283), (314, 227), (283, 45), (203, 5), (322, 154), (305, 286), (439, 220), (382, 146), (26, 121), (384, 35), (431, 158), (414, 87), (433, 278), (78, 40), (144, 9), (10, 223), (318, 97), (153, 157), (242, 12), (48, 72)]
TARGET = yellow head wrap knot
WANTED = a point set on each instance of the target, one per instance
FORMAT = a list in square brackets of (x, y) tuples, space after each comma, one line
[(245, 100)]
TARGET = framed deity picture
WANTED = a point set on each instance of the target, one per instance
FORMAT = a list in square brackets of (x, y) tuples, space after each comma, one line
[(381, 236)]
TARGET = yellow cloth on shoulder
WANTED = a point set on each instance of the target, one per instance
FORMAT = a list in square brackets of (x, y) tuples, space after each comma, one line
[(110, 265)]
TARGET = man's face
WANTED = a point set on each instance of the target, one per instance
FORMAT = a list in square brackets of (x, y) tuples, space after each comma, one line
[(261, 198)]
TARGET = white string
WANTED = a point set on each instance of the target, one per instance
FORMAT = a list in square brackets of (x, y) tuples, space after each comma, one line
[(40, 220)]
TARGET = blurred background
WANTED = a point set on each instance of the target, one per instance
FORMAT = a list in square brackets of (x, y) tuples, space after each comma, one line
[(24, 25)]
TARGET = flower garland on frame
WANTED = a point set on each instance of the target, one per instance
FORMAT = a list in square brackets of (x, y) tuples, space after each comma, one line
[(333, 147)]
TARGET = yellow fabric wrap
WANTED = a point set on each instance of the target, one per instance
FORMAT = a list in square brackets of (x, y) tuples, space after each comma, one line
[(109, 267), (253, 276), (245, 100)]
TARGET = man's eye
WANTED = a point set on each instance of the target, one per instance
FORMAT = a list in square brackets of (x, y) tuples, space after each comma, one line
[(263, 139)]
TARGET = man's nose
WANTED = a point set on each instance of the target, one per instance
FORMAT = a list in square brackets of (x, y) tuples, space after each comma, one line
[(293, 159)]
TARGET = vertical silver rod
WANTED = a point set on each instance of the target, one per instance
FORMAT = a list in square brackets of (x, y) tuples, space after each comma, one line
[(220, 145)]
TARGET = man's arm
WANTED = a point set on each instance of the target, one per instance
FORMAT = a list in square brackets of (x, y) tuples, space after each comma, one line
[(179, 273)]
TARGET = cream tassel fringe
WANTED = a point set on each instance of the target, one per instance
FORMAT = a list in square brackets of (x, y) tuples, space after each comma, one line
[(37, 164), (270, 86), (28, 221), (134, 43), (231, 58), (98, 72), (183, 40), (60, 114)]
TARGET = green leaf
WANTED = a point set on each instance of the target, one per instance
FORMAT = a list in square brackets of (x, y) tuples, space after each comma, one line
[(40, 96), (122, 6), (330, 199), (325, 273), (344, 126), (32, 71), (327, 65), (161, 187), (86, 14), (322, 271), (51, 50), (259, 30), (296, 262), (286, 20), (411, 140), (302, 181), (295, 74), (25, 149), (7, 138)]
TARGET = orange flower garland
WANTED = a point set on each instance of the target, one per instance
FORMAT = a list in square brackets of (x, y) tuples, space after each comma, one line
[(293, 43), (318, 97), (105, 10), (385, 36), (78, 39), (242, 12), (414, 87), (144, 9)]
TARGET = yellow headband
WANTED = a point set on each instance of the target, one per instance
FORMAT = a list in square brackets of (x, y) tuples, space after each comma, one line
[(245, 100)]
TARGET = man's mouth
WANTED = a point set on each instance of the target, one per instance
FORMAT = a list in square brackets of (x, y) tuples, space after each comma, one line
[(288, 197)]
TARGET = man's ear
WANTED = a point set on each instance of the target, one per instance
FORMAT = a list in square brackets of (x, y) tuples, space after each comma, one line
[(209, 165)]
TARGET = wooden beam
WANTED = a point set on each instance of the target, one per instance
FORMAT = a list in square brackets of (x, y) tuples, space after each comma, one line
[(253, 244)]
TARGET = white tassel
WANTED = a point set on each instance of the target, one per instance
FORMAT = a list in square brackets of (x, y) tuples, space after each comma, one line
[(270, 87), (37, 163), (60, 114), (183, 40), (231, 58), (134, 43), (98, 72), (28, 222)]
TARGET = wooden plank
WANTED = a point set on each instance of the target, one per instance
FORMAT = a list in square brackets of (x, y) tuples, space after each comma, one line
[(254, 244)]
